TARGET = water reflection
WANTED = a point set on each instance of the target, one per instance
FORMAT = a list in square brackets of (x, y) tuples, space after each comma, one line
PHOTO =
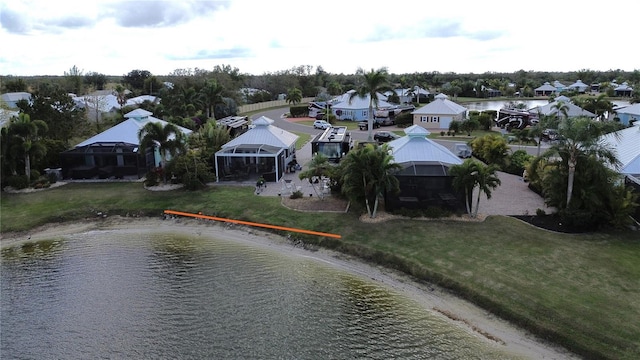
[(122, 295)]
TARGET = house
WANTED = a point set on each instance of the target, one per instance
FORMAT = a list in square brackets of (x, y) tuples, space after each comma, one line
[(355, 109), (626, 145), (578, 86), (545, 90), (560, 87), (264, 150), (551, 109), (438, 114), (114, 152), (629, 114), (12, 98), (6, 116), (623, 90), (424, 178), (409, 94)]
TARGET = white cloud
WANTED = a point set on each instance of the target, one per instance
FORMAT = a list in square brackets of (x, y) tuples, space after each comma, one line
[(114, 37)]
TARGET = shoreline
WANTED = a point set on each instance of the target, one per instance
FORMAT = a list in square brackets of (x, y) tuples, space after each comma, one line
[(494, 331)]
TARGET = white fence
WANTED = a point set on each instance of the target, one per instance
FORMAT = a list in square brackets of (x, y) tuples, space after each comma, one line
[(268, 104)]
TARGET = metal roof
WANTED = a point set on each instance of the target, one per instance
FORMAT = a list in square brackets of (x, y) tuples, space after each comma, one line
[(263, 134), (626, 144), (441, 106), (416, 147), (127, 131)]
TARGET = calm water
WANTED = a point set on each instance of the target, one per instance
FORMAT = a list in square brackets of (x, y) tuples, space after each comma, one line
[(140, 296), (530, 104)]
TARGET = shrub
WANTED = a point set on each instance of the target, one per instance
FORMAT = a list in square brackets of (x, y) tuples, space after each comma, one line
[(190, 170), (540, 212), (18, 182), (404, 119), (35, 174), (298, 111), (152, 178), (296, 195), (518, 161), (442, 133)]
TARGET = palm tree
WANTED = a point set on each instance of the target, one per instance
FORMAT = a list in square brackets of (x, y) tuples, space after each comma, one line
[(25, 135), (294, 96), (578, 137), (375, 81), (168, 138), (318, 168), (211, 96), (471, 174), (561, 108), (367, 174)]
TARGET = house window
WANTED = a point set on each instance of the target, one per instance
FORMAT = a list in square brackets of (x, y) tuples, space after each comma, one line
[(423, 118), (365, 114)]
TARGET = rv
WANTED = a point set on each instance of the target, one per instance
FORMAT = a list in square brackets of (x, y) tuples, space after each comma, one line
[(334, 143)]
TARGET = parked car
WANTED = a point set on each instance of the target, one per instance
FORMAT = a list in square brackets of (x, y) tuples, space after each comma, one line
[(462, 150), (321, 124), (549, 134), (364, 126), (385, 136)]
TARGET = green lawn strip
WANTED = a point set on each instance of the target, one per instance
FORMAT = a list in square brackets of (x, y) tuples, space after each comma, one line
[(582, 291)]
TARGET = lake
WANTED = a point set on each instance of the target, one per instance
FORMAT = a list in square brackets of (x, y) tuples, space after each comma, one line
[(145, 294)]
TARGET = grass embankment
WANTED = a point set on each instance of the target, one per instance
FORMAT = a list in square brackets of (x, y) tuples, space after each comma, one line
[(581, 291)]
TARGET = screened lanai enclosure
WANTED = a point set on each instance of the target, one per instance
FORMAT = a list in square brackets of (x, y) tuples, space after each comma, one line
[(264, 150), (104, 161)]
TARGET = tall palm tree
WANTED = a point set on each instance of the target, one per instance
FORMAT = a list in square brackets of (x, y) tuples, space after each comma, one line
[(578, 137), (168, 138), (375, 81), (294, 96), (25, 135), (211, 96), (471, 174), (367, 173)]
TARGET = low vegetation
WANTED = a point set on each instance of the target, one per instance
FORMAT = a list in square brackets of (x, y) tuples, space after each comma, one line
[(579, 291)]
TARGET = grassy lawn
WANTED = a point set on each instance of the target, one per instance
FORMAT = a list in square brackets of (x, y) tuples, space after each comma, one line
[(582, 291)]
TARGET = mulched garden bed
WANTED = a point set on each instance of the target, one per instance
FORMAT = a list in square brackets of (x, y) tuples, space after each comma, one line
[(549, 222)]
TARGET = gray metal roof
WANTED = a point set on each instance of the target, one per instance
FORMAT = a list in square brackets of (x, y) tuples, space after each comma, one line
[(416, 147), (441, 106), (627, 148), (127, 131), (263, 134)]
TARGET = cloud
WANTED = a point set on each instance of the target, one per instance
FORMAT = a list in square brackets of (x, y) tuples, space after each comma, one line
[(161, 13), (13, 21), (215, 54)]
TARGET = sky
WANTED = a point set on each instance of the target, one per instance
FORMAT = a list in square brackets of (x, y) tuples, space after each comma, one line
[(114, 37)]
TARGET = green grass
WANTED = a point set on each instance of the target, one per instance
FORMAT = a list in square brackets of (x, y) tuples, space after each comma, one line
[(582, 291)]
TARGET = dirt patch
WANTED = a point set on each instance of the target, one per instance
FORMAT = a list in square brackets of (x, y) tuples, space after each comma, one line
[(311, 204)]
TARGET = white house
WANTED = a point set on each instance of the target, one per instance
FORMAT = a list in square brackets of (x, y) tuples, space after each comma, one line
[(438, 114), (626, 144)]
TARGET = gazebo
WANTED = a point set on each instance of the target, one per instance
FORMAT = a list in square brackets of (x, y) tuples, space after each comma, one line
[(263, 150)]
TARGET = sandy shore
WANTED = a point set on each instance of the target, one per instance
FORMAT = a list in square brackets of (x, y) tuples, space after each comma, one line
[(495, 331)]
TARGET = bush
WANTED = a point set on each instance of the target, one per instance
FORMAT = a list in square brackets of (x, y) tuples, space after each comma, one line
[(296, 195), (299, 111), (404, 119), (35, 174), (18, 182), (191, 170), (518, 161), (540, 212), (152, 177)]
